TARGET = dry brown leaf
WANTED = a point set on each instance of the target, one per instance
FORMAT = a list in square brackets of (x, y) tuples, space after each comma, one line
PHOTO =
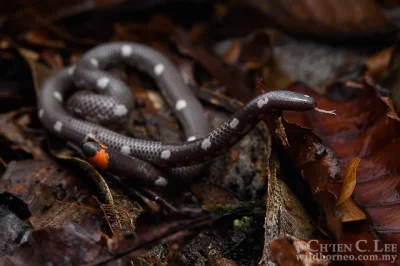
[(349, 182), (365, 127), (294, 251), (379, 62), (351, 212), (39, 70), (333, 18)]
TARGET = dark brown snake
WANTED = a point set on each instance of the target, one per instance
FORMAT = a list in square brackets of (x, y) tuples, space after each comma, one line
[(106, 100)]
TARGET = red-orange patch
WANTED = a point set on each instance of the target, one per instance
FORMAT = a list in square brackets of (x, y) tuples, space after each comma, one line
[(100, 159)]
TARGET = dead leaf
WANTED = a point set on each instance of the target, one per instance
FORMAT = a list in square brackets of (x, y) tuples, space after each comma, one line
[(293, 251), (351, 212), (349, 181), (53, 10), (379, 62), (390, 78), (39, 71), (13, 128), (24, 20), (317, 165), (40, 183), (372, 135), (232, 79), (284, 214), (118, 209), (251, 52), (79, 246), (326, 18), (212, 195)]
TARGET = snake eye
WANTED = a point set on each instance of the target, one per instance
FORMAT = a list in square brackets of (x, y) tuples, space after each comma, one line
[(305, 102), (309, 100)]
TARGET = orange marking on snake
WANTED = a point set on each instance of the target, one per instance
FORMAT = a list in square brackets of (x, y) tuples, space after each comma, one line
[(100, 159)]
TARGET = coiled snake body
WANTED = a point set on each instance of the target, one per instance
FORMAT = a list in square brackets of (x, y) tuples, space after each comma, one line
[(110, 100)]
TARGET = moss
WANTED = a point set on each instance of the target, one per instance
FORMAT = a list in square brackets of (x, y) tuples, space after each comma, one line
[(220, 208), (243, 224)]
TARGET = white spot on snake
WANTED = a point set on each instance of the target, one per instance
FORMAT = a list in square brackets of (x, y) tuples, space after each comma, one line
[(71, 70), (161, 181), (41, 113), (159, 69), (306, 96), (102, 83), (94, 62), (191, 138), (120, 110), (90, 136), (206, 144), (234, 123), (180, 104), (126, 50), (166, 154), (126, 149), (58, 96), (58, 126), (78, 111), (262, 102)]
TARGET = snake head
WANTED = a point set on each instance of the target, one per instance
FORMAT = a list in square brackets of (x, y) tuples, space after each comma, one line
[(289, 100)]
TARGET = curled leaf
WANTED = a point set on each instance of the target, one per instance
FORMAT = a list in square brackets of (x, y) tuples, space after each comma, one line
[(349, 182), (351, 212)]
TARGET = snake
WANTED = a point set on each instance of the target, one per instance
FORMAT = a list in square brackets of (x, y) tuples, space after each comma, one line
[(84, 101)]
